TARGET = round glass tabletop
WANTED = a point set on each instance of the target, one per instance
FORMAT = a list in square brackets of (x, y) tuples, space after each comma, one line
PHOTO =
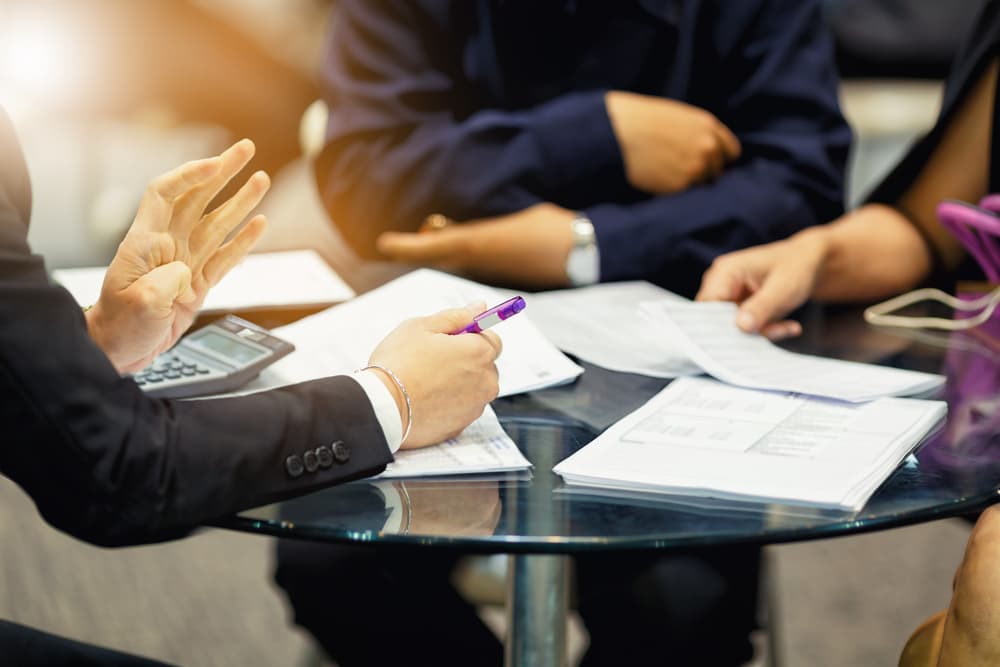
[(955, 471)]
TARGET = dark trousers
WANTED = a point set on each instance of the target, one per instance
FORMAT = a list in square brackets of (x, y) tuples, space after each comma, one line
[(379, 606), (21, 646)]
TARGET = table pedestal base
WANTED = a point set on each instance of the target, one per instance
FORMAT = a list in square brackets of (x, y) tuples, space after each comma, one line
[(537, 603)]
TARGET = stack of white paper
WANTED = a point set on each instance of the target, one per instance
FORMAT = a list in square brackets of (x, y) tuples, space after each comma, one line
[(602, 324), (482, 447), (263, 280), (341, 339), (707, 334), (702, 437)]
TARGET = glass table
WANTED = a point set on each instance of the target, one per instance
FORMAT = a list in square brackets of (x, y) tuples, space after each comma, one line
[(541, 522)]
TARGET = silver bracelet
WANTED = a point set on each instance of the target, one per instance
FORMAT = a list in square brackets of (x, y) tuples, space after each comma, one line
[(406, 397)]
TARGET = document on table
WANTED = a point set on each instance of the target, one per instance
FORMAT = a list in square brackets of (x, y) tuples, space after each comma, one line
[(602, 324), (481, 448), (341, 339), (262, 280), (704, 438), (707, 334)]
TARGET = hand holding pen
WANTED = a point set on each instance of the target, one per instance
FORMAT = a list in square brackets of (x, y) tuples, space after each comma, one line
[(494, 315)]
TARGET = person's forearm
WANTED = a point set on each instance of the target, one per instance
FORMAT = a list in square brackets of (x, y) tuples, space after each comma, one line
[(872, 253)]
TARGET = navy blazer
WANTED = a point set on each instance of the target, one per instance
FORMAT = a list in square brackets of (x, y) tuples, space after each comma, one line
[(110, 465), (483, 108)]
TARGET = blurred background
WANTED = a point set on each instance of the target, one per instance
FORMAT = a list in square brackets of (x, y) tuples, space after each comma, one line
[(106, 94)]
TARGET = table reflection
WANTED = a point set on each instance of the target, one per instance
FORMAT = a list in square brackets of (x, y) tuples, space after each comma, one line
[(454, 507)]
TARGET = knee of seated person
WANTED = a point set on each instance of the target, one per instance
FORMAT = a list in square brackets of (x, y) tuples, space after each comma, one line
[(978, 583), (306, 567), (984, 542), (685, 588)]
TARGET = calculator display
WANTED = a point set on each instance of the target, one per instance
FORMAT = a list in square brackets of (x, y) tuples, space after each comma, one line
[(229, 347)]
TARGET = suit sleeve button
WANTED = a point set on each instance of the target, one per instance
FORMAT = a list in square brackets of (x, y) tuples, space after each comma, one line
[(325, 456), (341, 452), (311, 460), (293, 464)]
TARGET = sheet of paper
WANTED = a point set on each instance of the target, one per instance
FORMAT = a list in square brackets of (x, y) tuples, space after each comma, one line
[(602, 324), (707, 334), (263, 280), (704, 438), (341, 339), (483, 447)]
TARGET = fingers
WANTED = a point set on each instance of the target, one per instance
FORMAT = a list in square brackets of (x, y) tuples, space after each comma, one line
[(494, 341), (156, 292), (217, 225), (782, 330), (731, 148), (774, 299), (232, 160), (448, 321), (233, 252), (161, 193), (721, 283), (417, 248)]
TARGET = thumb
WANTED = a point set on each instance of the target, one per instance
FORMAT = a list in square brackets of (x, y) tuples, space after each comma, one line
[(448, 321), (765, 306), (167, 284)]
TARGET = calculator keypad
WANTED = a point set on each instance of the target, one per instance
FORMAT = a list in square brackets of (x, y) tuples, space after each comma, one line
[(169, 367)]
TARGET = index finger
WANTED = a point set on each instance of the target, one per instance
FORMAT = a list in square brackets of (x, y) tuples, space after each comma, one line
[(721, 284), (231, 161)]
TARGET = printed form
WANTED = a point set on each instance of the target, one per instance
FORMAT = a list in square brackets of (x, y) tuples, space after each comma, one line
[(707, 334), (482, 447), (702, 437)]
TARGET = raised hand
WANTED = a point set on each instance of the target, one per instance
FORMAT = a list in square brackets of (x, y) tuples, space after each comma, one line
[(174, 252)]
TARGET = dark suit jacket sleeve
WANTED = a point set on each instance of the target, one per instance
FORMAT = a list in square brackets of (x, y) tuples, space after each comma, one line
[(397, 147), (777, 90), (109, 465)]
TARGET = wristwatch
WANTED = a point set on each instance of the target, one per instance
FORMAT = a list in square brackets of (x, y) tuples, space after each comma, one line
[(583, 265)]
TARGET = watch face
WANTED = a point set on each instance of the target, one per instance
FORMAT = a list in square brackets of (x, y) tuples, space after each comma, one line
[(583, 263)]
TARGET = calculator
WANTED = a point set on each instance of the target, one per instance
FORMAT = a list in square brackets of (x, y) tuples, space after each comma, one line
[(217, 358)]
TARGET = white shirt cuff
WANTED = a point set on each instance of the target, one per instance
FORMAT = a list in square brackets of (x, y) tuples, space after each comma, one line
[(384, 405)]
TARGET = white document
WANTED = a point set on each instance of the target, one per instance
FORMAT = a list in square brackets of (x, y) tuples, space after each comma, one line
[(704, 438), (482, 447), (602, 324), (263, 280), (341, 339), (707, 334)]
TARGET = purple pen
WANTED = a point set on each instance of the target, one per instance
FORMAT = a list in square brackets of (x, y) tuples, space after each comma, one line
[(494, 315)]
